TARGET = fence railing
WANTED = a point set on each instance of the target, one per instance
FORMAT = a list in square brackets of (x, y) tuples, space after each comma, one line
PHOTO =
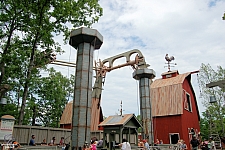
[(23, 133)]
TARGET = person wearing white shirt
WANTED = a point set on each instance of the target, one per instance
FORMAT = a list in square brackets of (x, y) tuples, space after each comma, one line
[(125, 145)]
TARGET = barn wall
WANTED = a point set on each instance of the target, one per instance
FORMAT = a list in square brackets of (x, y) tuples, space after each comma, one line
[(190, 119), (165, 125)]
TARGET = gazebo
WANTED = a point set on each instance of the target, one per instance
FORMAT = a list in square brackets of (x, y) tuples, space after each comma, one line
[(117, 127)]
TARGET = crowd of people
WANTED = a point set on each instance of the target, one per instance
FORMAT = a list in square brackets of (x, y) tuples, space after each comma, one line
[(204, 145), (94, 144), (125, 145), (144, 145), (51, 143), (195, 144), (182, 145)]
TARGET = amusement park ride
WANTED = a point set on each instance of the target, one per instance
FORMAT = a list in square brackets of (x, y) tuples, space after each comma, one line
[(101, 69), (176, 89), (82, 39)]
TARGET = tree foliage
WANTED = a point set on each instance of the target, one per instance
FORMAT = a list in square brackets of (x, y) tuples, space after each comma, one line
[(49, 96), (215, 112), (205, 126), (27, 35)]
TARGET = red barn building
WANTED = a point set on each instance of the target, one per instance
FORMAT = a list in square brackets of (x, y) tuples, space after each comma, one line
[(174, 108)]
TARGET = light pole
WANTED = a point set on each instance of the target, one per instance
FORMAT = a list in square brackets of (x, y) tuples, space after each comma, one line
[(221, 84)]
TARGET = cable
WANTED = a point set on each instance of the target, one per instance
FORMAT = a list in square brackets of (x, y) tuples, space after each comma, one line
[(69, 61), (61, 67)]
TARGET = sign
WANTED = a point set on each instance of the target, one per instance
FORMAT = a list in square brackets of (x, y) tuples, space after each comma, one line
[(7, 125), (6, 128)]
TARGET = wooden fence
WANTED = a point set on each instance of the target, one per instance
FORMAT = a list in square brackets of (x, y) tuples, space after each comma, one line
[(23, 133)]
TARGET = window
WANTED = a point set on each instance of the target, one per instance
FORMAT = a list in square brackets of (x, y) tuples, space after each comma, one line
[(187, 101), (174, 137)]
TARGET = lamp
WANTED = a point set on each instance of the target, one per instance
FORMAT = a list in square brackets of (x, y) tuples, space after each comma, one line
[(3, 101)]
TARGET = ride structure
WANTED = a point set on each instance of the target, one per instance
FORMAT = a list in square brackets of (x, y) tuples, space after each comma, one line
[(86, 108), (166, 105), (141, 73)]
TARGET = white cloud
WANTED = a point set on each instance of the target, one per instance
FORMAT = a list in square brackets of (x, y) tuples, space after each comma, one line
[(192, 31)]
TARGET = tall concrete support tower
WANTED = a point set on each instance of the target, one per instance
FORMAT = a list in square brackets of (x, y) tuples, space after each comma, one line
[(85, 40), (145, 77)]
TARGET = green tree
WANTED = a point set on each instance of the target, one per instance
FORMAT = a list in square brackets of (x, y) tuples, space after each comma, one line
[(9, 109), (205, 126), (37, 23), (215, 112), (139, 119), (50, 95), (8, 25)]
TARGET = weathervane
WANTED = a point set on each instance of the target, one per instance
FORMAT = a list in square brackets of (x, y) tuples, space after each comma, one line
[(169, 59)]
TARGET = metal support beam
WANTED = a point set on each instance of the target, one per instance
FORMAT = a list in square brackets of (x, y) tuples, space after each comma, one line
[(220, 83), (145, 77), (85, 40)]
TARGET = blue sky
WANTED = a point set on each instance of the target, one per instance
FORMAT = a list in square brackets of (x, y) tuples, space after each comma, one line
[(191, 31), (213, 3)]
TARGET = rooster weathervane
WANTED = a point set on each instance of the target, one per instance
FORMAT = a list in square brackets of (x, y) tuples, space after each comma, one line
[(169, 59)]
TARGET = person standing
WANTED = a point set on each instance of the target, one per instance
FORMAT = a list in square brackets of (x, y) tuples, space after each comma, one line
[(32, 141), (125, 145), (157, 142), (204, 146), (61, 142), (93, 145), (179, 144), (100, 143), (211, 144), (44, 142), (194, 143), (140, 144), (161, 142), (146, 145), (183, 145), (52, 143)]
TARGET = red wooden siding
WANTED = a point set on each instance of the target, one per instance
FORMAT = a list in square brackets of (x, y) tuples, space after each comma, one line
[(165, 125), (176, 119)]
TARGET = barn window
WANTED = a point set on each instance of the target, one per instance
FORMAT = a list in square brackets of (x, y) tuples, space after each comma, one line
[(174, 137), (188, 102)]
